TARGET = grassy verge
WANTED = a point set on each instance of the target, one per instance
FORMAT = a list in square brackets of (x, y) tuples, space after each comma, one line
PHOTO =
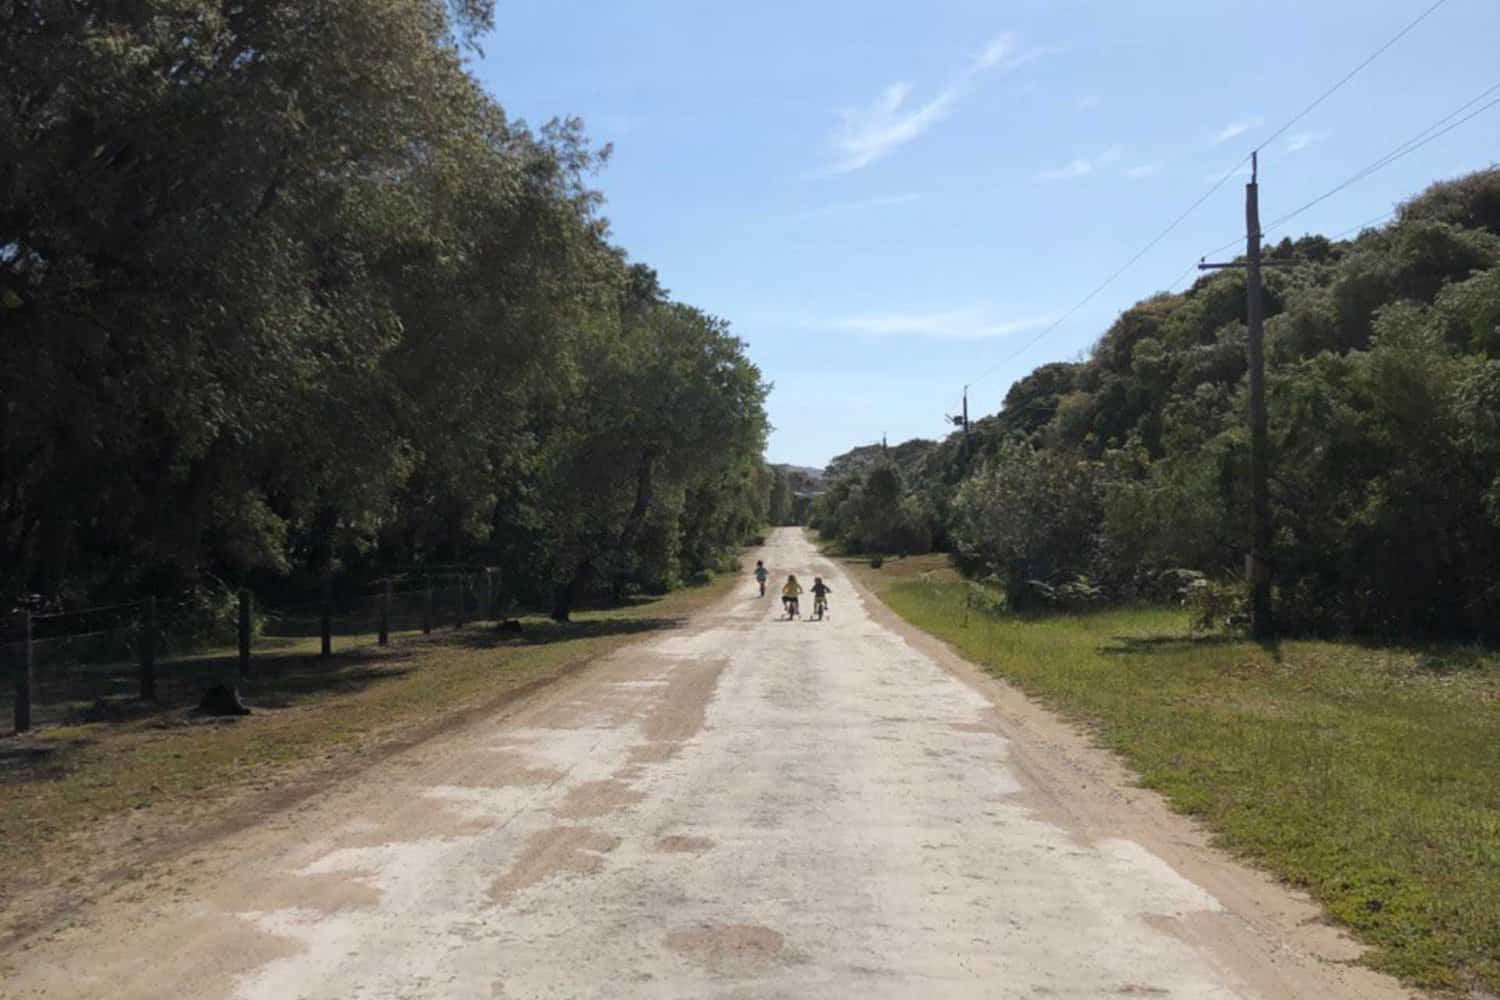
[(1370, 776), (84, 799)]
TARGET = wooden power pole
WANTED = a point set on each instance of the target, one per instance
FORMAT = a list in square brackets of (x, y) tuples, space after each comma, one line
[(966, 423), (1259, 561)]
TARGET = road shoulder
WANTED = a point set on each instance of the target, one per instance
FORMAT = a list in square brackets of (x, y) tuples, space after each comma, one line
[(110, 810), (1273, 937)]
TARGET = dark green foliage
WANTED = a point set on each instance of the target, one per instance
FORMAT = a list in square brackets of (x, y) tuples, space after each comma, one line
[(866, 507), (283, 290), (1114, 476), (792, 491)]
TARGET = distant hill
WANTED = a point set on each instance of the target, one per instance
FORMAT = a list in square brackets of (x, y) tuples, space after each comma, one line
[(806, 472), (907, 455)]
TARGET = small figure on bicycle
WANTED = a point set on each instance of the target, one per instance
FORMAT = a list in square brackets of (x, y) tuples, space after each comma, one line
[(820, 591), (760, 576), (789, 595)]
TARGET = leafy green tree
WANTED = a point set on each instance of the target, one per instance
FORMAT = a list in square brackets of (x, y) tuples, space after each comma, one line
[(1129, 470), (283, 289), (1030, 516)]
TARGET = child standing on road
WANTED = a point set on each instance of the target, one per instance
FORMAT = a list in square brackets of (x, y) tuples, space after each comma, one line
[(789, 595), (760, 576)]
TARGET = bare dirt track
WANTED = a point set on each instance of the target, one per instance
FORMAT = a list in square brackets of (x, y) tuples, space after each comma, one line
[(746, 808)]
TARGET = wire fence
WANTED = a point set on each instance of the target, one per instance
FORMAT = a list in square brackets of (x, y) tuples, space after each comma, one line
[(97, 663)]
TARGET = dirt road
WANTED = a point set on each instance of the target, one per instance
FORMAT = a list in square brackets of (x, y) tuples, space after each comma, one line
[(746, 808)]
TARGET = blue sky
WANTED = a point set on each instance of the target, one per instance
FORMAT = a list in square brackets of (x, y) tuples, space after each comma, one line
[(888, 199)]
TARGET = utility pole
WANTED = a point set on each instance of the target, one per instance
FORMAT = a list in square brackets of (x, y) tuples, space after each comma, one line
[(966, 423), (1259, 561), (1260, 465)]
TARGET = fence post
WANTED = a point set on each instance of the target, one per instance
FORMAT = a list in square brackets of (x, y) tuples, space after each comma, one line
[(459, 623), (427, 606), (245, 603), (24, 666), (325, 617), (385, 614), (148, 652)]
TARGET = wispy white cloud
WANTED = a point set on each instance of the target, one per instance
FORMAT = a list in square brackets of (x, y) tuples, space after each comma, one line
[(1235, 128), (1081, 166), (996, 51), (852, 207), (1219, 174), (867, 134), (1086, 103), (973, 323), (1075, 168), (1300, 140), (1145, 170)]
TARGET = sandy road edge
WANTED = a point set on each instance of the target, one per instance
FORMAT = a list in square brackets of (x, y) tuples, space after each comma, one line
[(1274, 937), (304, 787)]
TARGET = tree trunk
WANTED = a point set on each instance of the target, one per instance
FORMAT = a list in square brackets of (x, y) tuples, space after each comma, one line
[(645, 487), (568, 594)]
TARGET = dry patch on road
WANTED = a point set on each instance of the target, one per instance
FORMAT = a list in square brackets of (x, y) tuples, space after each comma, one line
[(730, 950), (682, 844), (575, 850), (597, 798)]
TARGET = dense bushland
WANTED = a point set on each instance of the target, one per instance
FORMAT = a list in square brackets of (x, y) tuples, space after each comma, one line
[(1123, 476), (283, 291)]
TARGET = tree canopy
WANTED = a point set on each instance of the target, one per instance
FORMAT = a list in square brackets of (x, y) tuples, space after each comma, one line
[(282, 289), (1125, 473)]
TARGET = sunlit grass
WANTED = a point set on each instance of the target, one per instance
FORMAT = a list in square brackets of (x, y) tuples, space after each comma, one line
[(1368, 775)]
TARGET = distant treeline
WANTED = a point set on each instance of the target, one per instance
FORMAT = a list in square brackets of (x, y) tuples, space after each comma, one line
[(284, 291), (1124, 476), (793, 489)]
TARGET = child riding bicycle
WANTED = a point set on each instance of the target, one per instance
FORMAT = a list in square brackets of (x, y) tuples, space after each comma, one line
[(789, 594), (820, 591)]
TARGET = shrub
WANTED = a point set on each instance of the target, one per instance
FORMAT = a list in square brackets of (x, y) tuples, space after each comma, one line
[(1216, 606), (986, 596)]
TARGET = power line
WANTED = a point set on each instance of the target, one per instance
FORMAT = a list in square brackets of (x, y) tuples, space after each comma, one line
[(1239, 239), (1206, 195), (1434, 131), (1443, 126), (1363, 225), (1185, 272), (1350, 75), (1109, 280)]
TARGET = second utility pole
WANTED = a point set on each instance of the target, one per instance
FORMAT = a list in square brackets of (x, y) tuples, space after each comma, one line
[(1259, 560), (966, 423)]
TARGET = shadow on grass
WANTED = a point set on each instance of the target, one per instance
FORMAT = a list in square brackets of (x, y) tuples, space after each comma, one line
[(1447, 660), (25, 762), (108, 693), (1138, 645), (1153, 645)]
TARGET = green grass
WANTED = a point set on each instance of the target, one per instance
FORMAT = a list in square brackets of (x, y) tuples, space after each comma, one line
[(1368, 775)]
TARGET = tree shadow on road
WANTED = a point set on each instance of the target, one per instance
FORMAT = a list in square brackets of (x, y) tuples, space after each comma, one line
[(544, 631)]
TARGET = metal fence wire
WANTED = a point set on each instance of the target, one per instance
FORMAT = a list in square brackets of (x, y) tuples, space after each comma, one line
[(93, 663)]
